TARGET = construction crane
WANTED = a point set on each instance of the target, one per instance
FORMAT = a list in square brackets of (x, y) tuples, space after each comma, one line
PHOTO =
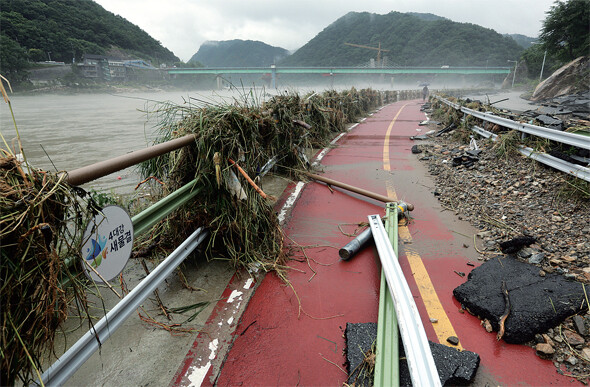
[(379, 49)]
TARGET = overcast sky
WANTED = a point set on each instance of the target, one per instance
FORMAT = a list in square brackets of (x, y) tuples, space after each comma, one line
[(183, 25)]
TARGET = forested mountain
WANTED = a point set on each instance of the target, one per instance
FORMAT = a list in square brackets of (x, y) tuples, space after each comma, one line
[(36, 30), (522, 40), (238, 53), (411, 41)]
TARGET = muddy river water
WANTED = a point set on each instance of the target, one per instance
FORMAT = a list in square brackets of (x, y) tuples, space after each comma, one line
[(65, 132)]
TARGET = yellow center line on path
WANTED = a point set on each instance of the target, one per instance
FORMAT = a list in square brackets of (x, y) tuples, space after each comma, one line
[(442, 327), (386, 165)]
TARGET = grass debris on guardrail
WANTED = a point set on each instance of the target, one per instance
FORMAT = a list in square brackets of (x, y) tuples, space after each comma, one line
[(251, 132)]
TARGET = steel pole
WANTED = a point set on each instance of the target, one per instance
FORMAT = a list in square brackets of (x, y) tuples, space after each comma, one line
[(542, 66), (102, 168), (372, 195)]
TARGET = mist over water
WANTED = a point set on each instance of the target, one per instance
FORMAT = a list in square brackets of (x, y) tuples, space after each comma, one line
[(79, 130)]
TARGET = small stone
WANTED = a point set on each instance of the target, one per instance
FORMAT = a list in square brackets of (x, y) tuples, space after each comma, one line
[(586, 353), (536, 258), (539, 338), (542, 273), (525, 252), (558, 338), (572, 360), (453, 340), (573, 338), (465, 245), (548, 340), (487, 325), (433, 320), (544, 349), (579, 324), (556, 219)]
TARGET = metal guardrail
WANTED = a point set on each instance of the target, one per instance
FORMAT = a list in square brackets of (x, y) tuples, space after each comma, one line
[(143, 221), (73, 359), (421, 364), (573, 139), (387, 344), (554, 162)]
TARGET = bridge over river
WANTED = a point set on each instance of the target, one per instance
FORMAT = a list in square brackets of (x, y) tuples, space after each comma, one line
[(273, 71)]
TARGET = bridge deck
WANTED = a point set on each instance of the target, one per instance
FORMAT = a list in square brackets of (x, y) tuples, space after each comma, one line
[(341, 70)]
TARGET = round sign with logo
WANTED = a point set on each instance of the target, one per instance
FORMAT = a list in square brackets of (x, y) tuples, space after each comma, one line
[(107, 244)]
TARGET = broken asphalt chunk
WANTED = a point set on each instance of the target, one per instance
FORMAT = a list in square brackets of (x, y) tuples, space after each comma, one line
[(454, 367), (359, 339), (537, 303), (515, 244)]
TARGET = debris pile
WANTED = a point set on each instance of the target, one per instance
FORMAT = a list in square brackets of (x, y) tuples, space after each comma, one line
[(246, 134), (507, 196), (35, 241)]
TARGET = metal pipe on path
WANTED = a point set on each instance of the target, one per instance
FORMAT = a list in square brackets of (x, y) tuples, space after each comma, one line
[(102, 168), (358, 243), (355, 245), (372, 195)]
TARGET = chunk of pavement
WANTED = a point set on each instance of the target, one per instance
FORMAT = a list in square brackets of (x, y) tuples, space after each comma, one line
[(513, 245), (537, 303), (454, 367), (359, 338)]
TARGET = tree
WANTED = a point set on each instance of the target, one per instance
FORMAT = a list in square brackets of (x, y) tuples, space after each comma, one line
[(13, 59), (566, 30)]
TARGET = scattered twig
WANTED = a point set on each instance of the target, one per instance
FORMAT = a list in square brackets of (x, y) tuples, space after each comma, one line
[(160, 304), (331, 362), (506, 311), (146, 180), (102, 278)]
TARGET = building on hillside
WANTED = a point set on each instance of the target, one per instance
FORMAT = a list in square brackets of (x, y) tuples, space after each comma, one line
[(100, 67)]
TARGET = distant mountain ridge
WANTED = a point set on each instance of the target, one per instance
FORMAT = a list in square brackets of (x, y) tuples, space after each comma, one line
[(412, 40), (238, 53), (63, 30), (523, 40)]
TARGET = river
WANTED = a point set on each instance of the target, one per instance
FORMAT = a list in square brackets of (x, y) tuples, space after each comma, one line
[(65, 132)]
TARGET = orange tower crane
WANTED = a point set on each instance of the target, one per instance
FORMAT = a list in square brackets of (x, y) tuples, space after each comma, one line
[(379, 49)]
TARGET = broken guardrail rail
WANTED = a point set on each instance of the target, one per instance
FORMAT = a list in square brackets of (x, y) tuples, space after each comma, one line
[(573, 139), (387, 342), (421, 364)]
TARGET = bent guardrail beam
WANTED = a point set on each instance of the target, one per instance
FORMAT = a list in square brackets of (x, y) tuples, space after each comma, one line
[(418, 353)]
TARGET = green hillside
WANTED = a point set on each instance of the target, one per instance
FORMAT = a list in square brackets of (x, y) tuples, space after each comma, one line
[(411, 41), (36, 30), (238, 53), (522, 40)]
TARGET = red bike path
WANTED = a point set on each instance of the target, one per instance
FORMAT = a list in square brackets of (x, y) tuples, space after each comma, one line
[(293, 333)]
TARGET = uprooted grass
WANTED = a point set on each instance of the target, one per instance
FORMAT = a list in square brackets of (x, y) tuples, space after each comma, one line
[(251, 132), (35, 239), (41, 221)]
